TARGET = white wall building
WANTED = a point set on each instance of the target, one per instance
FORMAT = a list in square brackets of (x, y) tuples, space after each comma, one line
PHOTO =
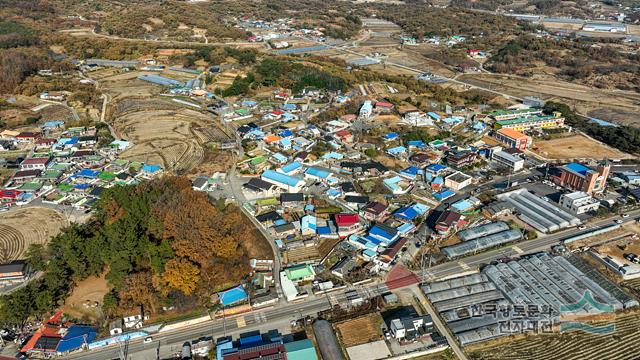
[(579, 202), (457, 181), (512, 162)]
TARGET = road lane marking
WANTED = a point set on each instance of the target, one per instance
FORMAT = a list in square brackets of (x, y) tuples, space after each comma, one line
[(517, 249), (241, 322), (463, 265)]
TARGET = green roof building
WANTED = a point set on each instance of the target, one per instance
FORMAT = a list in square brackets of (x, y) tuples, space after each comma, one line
[(300, 272), (106, 176), (301, 350), (30, 187)]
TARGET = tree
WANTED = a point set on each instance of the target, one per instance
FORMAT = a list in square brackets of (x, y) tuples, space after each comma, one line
[(138, 291), (180, 274)]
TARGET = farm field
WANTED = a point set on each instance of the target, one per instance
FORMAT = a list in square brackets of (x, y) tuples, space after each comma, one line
[(621, 345), (163, 137), (360, 330), (23, 227), (577, 147), (162, 132)]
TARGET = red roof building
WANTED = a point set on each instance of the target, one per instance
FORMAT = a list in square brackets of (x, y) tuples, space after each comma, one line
[(347, 219), (28, 135), (345, 136)]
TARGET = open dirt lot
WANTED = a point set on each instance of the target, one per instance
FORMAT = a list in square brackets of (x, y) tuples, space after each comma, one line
[(360, 330), (621, 345), (84, 297), (23, 227), (576, 147)]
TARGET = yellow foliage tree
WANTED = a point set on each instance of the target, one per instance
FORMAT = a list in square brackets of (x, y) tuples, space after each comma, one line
[(180, 274)]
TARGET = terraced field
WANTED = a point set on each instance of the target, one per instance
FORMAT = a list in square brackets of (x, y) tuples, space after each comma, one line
[(621, 345), (162, 136), (23, 227)]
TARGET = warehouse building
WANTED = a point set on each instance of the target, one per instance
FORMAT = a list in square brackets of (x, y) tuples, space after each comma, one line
[(472, 305), (540, 214), (605, 27)]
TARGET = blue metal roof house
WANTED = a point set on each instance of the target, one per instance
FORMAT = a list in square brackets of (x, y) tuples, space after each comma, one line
[(316, 173), (436, 168), (283, 181), (291, 168), (390, 136), (384, 233), (75, 338), (434, 116), (151, 169), (233, 296)]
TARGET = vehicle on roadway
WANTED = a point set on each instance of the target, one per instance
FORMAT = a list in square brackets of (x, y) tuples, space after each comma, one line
[(148, 339), (581, 227), (618, 221), (625, 215)]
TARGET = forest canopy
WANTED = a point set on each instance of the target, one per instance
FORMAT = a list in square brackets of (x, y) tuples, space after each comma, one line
[(159, 242)]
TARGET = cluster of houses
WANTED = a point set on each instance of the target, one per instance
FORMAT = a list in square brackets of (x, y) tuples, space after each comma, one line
[(66, 166), (273, 30), (314, 184)]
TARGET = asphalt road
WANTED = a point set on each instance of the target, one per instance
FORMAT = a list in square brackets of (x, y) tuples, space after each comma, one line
[(172, 341)]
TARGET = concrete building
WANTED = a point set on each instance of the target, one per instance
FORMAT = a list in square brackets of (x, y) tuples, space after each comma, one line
[(457, 181), (579, 202), (500, 115), (579, 177), (531, 122), (513, 139), (410, 328), (510, 161)]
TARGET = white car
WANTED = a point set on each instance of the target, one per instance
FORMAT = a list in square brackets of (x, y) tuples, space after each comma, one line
[(581, 227), (624, 216), (148, 339), (618, 221)]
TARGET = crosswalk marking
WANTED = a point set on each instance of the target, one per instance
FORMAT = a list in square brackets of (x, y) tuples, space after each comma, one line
[(463, 265), (241, 322), (517, 249)]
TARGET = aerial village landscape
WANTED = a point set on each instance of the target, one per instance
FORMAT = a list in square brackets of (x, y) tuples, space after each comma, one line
[(301, 187)]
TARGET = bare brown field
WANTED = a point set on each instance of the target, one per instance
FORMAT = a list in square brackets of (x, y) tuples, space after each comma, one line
[(22, 227), (301, 254), (86, 298), (577, 147), (620, 345), (360, 330)]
